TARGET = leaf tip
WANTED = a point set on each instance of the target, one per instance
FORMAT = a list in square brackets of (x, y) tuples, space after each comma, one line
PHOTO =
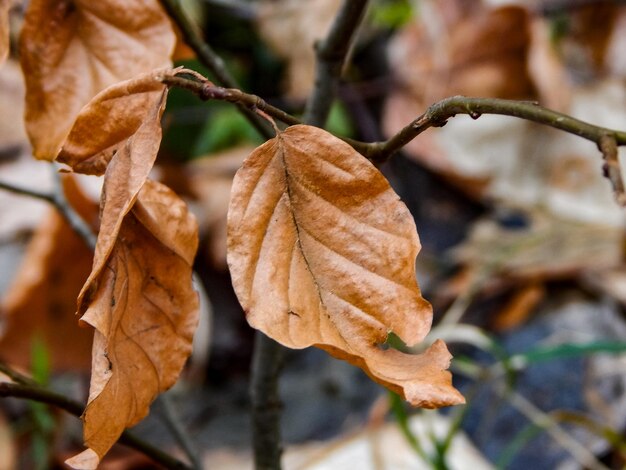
[(86, 460)]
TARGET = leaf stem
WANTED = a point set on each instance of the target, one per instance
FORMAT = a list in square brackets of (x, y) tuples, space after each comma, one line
[(331, 56), (210, 59), (41, 395)]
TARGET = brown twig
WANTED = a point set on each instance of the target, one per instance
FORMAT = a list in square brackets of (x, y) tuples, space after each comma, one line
[(210, 59), (267, 361), (608, 147), (436, 116), (41, 395), (331, 55), (58, 200)]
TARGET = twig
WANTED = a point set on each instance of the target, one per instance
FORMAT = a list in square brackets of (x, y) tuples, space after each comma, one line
[(267, 361), (172, 421), (41, 395), (608, 147), (27, 192), (435, 116), (71, 216), (438, 114), (209, 58), (15, 376), (545, 421), (331, 54), (58, 200), (208, 91)]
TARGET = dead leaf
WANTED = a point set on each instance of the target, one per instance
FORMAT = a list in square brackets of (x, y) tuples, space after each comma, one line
[(72, 49), (322, 252), (291, 31), (124, 177), (144, 311), (4, 29), (109, 119), (40, 304)]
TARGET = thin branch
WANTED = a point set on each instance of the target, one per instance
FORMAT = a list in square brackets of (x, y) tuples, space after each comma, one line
[(331, 55), (438, 114), (267, 362), (608, 147), (210, 59), (41, 395), (72, 217), (16, 376), (58, 200), (172, 421), (27, 192), (208, 91)]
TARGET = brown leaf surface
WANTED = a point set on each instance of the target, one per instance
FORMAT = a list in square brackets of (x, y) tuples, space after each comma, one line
[(144, 311), (4, 29), (124, 177), (108, 120), (322, 252), (72, 49), (40, 303)]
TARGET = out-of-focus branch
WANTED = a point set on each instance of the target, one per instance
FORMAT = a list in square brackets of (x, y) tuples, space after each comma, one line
[(267, 361), (209, 58), (331, 55), (58, 200), (41, 395)]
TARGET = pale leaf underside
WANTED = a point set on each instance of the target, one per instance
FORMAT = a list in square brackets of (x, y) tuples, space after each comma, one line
[(322, 252)]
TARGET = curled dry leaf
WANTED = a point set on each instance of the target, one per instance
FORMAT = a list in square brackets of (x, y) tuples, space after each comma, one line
[(39, 305), (4, 29), (72, 49), (322, 252), (110, 119), (144, 311), (124, 177)]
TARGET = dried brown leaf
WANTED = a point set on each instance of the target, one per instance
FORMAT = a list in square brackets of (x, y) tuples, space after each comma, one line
[(39, 304), (322, 252), (108, 120), (124, 177), (70, 50), (144, 311)]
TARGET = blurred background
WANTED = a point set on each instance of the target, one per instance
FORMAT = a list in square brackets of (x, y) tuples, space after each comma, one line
[(522, 258)]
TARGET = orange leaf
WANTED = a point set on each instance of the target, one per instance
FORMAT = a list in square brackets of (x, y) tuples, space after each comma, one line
[(72, 49), (144, 311), (109, 119), (322, 252), (4, 29), (40, 303), (124, 177)]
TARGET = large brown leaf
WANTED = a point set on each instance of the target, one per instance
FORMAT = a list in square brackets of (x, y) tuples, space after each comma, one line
[(72, 49), (144, 311), (109, 119), (322, 252)]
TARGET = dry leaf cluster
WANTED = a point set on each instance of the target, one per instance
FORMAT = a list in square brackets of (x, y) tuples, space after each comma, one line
[(320, 248)]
